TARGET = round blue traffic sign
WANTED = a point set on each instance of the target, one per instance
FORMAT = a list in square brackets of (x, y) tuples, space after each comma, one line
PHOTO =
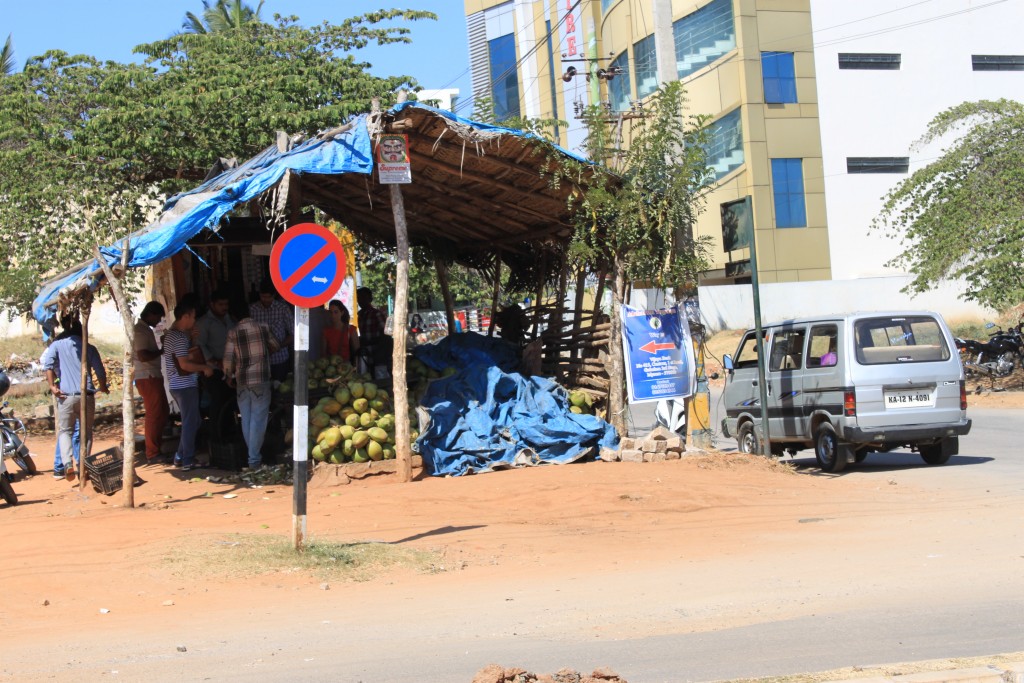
[(307, 265)]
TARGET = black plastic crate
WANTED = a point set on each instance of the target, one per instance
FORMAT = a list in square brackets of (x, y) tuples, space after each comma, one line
[(229, 455), (106, 470)]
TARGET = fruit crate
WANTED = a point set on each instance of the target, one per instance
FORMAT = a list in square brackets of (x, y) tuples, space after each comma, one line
[(229, 455), (106, 470)]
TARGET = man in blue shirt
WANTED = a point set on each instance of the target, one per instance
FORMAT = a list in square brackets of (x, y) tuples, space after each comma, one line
[(64, 359)]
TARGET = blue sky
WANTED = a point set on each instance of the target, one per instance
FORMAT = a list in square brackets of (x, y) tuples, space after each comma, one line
[(438, 56)]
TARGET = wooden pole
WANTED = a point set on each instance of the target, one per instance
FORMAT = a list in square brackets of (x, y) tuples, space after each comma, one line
[(540, 294), (128, 390), (599, 292), (617, 372), (446, 292), (577, 309), (86, 426), (496, 293), (400, 387)]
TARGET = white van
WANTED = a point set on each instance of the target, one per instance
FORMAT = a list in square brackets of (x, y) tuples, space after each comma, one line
[(849, 386)]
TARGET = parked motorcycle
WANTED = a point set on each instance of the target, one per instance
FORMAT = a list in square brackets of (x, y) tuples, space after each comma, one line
[(6, 491), (996, 357), (12, 433)]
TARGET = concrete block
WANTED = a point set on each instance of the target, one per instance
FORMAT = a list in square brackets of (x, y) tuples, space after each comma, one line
[(627, 444), (631, 455), (673, 455), (659, 457), (660, 433), (649, 445), (609, 455), (674, 443)]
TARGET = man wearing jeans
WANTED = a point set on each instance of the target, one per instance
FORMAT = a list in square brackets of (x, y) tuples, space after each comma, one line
[(64, 359), (247, 366), (182, 372)]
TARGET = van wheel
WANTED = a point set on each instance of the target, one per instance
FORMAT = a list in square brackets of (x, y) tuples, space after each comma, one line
[(935, 454), (747, 439), (830, 457)]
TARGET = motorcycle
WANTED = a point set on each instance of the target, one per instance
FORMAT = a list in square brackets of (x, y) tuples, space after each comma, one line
[(12, 432), (6, 491), (997, 356)]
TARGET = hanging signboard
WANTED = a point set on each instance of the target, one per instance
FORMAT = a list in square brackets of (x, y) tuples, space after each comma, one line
[(393, 165), (658, 354)]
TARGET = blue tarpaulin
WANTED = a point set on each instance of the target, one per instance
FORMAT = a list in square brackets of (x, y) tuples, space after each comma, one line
[(485, 418)]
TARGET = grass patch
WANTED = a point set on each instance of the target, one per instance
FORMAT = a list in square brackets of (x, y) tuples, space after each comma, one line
[(25, 346), (239, 555)]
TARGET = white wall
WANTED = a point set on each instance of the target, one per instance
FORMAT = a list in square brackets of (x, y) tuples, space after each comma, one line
[(731, 307), (104, 323), (881, 113)]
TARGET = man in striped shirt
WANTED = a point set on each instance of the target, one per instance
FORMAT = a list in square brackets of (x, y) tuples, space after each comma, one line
[(247, 354), (182, 373)]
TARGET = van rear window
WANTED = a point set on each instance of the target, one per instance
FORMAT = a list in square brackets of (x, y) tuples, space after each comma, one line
[(913, 339)]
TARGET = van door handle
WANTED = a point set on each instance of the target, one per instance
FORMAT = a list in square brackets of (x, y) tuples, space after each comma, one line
[(754, 383)]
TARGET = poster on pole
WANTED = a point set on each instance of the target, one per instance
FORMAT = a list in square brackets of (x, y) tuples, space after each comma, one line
[(393, 166), (658, 354)]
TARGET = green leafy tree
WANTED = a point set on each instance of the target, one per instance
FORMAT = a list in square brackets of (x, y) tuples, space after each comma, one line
[(87, 147), (962, 216), (637, 213), (7, 57), (222, 15)]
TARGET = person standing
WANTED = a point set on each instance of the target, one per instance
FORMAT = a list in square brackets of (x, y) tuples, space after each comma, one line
[(213, 333), (339, 337), (149, 378), (278, 318), (64, 359), (375, 344), (183, 379), (247, 354), (58, 461)]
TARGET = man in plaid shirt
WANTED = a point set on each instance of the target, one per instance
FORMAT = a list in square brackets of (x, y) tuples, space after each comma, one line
[(247, 355), (276, 315)]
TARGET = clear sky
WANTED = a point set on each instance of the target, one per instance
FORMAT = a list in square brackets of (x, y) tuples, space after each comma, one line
[(438, 56)]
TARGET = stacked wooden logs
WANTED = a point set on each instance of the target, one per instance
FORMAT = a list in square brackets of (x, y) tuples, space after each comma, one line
[(576, 355)]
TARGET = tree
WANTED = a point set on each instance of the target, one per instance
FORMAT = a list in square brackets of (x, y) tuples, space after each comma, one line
[(637, 215), (7, 57), (87, 148), (962, 216), (222, 15)]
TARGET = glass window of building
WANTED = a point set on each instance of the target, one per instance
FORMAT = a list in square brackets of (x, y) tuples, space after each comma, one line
[(997, 62), (788, 191), (645, 64), (725, 144), (874, 61), (619, 87), (704, 37), (877, 164), (779, 77), (504, 77)]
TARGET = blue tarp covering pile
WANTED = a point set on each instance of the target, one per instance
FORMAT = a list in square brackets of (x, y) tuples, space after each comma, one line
[(486, 417)]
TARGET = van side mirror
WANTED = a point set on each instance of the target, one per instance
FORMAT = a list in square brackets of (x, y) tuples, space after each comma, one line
[(727, 362)]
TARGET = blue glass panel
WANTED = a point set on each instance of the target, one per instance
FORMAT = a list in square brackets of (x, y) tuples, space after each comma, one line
[(788, 193), (645, 65), (606, 4), (779, 77), (725, 144), (704, 37), (504, 77), (619, 87)]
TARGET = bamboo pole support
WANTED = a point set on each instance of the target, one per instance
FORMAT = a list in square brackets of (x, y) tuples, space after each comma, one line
[(128, 390), (496, 293), (617, 372)]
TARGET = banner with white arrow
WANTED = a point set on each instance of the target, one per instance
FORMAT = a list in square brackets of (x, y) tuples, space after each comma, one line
[(658, 354)]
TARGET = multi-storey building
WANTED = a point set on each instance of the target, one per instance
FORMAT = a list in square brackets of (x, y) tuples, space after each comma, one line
[(814, 103)]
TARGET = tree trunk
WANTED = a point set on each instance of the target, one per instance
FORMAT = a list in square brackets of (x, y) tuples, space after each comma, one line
[(128, 391), (400, 388), (446, 293), (86, 426), (617, 372)]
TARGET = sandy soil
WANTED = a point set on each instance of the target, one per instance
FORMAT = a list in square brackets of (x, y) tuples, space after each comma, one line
[(69, 553)]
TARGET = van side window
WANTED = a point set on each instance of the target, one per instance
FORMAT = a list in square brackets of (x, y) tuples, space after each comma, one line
[(822, 350), (746, 356), (787, 350)]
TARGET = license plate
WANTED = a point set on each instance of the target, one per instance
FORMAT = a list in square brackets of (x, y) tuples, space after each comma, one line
[(909, 399)]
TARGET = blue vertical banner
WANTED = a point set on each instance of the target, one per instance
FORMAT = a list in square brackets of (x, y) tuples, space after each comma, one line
[(658, 354)]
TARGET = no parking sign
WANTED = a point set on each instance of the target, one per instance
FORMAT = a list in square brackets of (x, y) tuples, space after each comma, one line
[(307, 265)]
